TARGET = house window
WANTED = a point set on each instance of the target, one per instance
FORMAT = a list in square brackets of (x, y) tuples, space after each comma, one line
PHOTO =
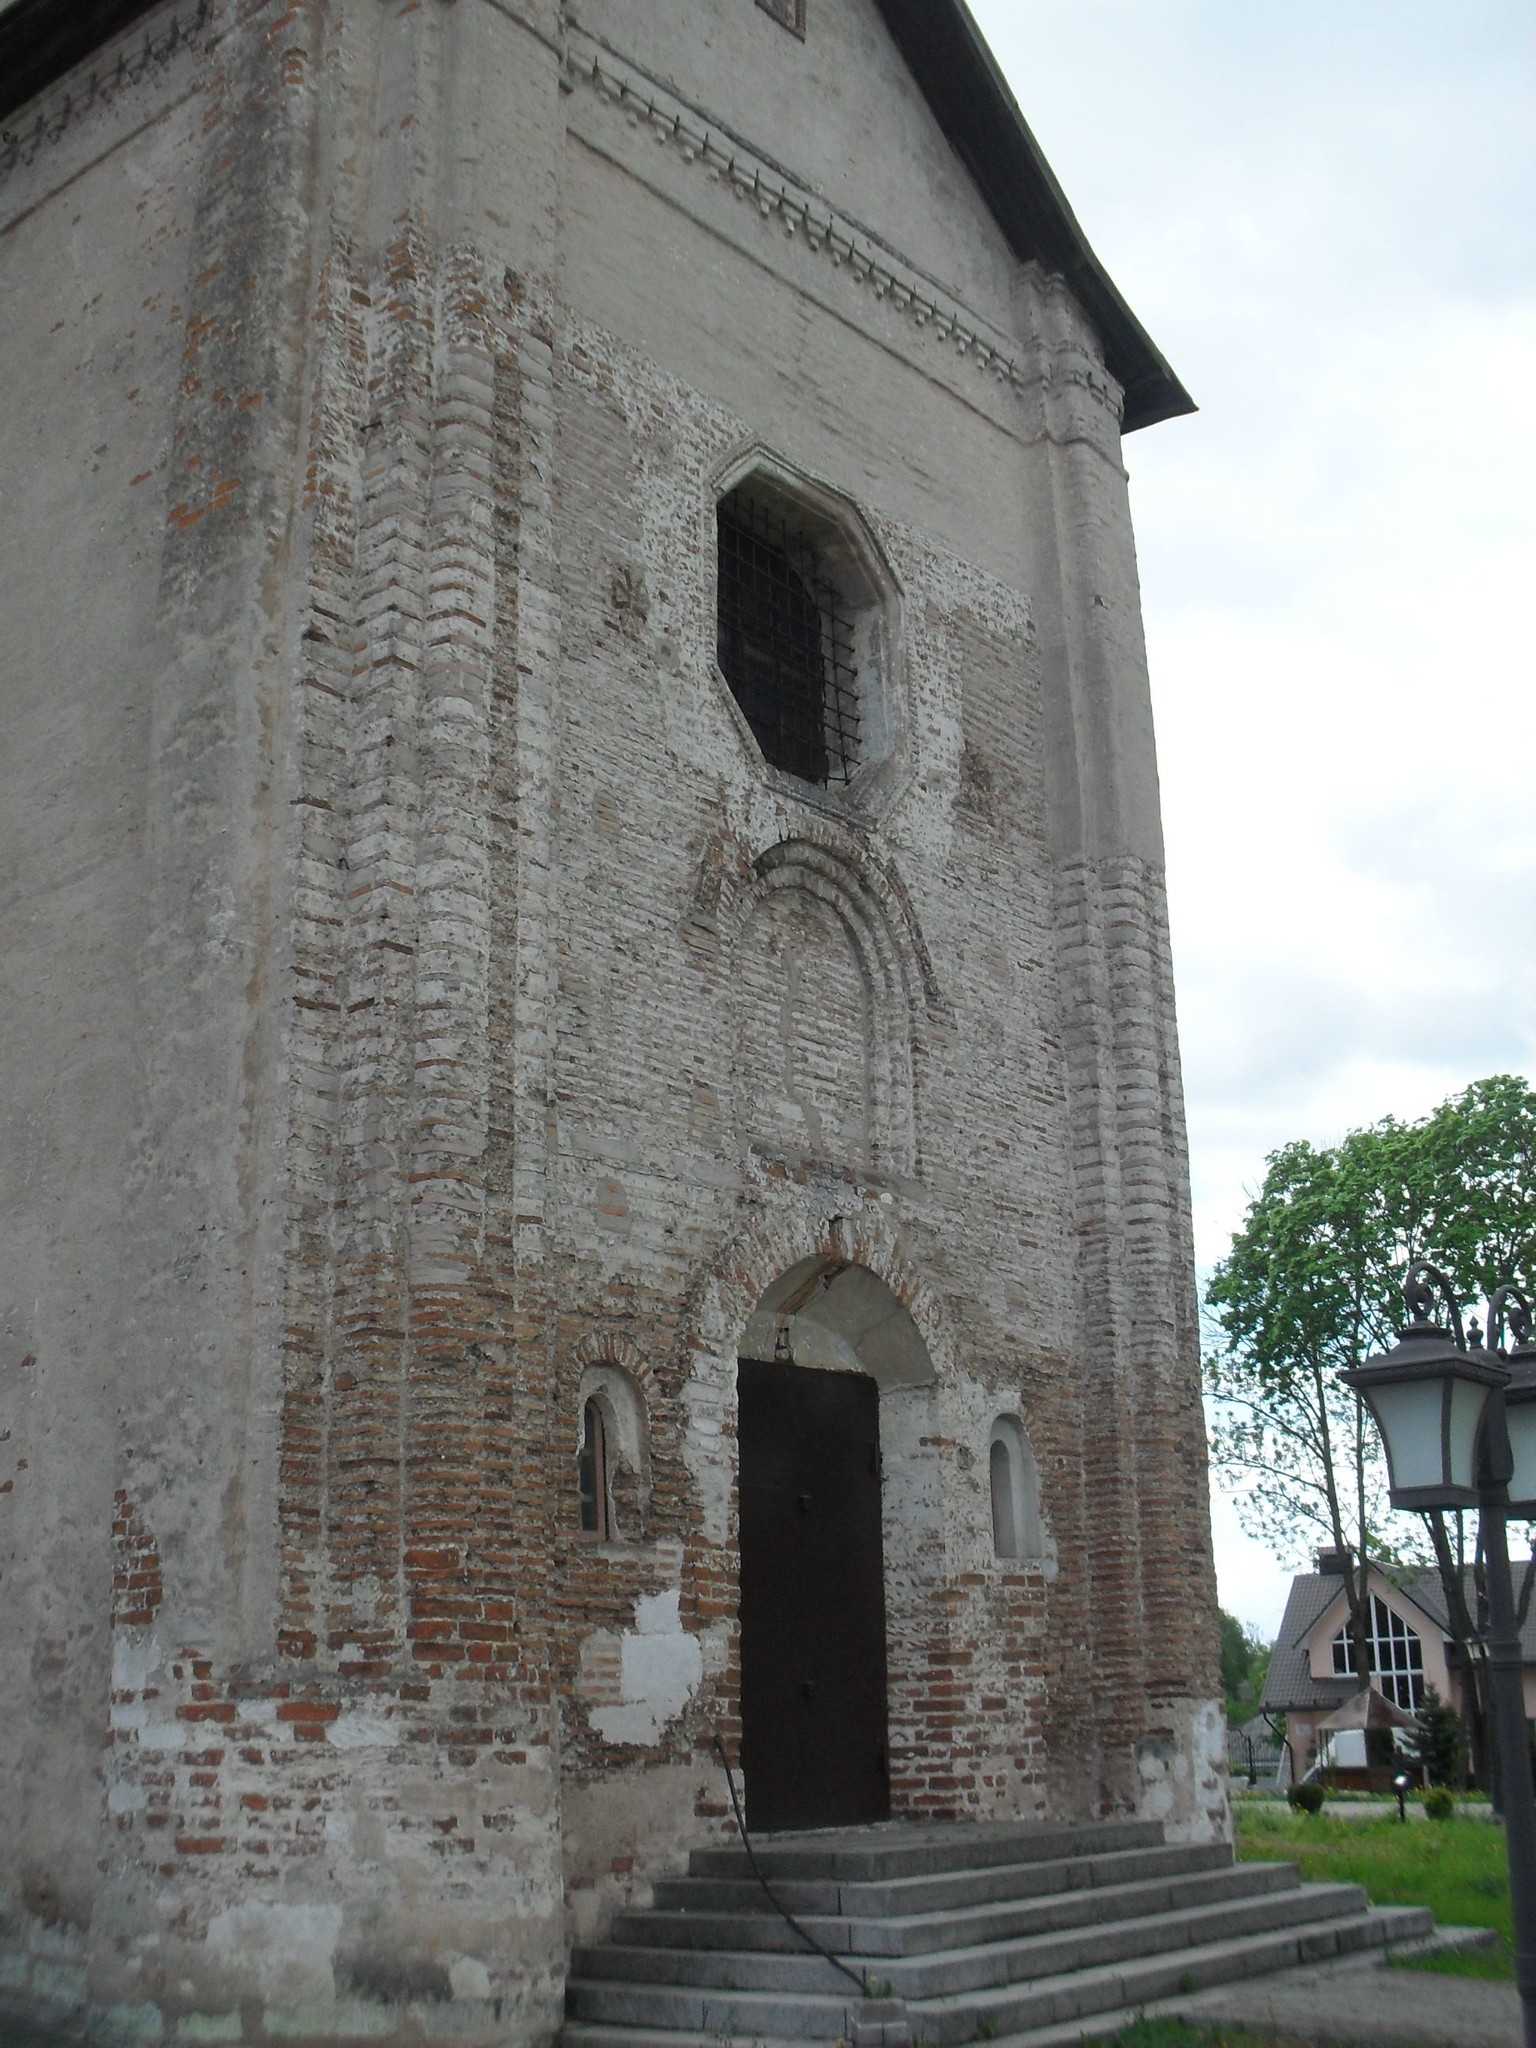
[(592, 1473), (1396, 1656), (786, 638), (790, 13)]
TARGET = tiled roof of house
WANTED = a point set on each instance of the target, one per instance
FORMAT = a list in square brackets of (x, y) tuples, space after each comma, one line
[(1289, 1683), (1426, 1591), (1290, 1686)]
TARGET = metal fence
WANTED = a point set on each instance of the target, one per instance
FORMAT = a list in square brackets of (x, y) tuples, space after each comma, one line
[(1251, 1756)]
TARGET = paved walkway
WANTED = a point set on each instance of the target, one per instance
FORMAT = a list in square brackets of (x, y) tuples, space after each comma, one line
[(1365, 2004), (1343, 2005)]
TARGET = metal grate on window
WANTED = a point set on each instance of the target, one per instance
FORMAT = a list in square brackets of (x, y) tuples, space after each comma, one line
[(785, 641)]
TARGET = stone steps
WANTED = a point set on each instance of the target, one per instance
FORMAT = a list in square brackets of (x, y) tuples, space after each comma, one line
[(1085, 1924), (1168, 1880), (935, 1893), (665, 1987), (897, 1849)]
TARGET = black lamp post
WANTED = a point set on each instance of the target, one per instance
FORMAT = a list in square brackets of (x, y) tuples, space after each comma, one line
[(1400, 1786), (1458, 1420)]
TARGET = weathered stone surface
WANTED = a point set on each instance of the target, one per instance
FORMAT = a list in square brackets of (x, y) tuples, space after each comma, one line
[(424, 1012)]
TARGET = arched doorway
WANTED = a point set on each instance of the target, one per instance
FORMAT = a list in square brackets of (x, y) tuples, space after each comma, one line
[(833, 1383)]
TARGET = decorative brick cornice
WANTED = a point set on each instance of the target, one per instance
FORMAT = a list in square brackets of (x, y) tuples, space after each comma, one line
[(794, 208), (135, 56)]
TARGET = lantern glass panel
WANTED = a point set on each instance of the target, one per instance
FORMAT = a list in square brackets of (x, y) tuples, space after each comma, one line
[(1521, 1416), (1468, 1400), (1409, 1418)]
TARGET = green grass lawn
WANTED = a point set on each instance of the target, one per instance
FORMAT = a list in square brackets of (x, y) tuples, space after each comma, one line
[(1456, 1867)]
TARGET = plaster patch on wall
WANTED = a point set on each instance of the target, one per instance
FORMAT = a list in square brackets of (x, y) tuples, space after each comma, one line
[(468, 1978), (1183, 1772), (639, 1681), (286, 1951), (137, 1659), (355, 1729)]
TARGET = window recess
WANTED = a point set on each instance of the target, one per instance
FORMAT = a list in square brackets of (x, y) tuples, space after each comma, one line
[(592, 1474), (787, 640)]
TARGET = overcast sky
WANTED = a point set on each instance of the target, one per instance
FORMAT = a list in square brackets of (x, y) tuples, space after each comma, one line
[(1324, 214)]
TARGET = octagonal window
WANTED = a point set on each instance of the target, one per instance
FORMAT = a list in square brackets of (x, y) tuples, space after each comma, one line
[(798, 631)]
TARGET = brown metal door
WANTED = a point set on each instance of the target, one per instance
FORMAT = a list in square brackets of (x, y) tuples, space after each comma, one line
[(813, 1710)]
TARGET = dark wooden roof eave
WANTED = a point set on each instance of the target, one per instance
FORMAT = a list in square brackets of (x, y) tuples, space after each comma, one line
[(948, 56)]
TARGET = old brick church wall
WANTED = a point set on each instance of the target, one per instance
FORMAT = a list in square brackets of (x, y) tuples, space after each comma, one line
[(435, 1015)]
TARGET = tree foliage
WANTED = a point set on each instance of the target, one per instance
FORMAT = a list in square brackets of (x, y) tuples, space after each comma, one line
[(1312, 1284), (1236, 1651), (1244, 1662), (1434, 1742)]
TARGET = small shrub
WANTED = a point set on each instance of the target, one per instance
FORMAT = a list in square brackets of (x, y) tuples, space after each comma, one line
[(1438, 1804), (1306, 1797)]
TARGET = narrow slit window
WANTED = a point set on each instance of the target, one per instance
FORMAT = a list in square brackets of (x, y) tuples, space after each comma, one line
[(1015, 1488), (1005, 1535), (786, 642), (592, 1473)]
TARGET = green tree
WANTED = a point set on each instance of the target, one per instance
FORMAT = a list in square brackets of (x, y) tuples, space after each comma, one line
[(1435, 1743), (1244, 1663), (1312, 1284), (1236, 1653)]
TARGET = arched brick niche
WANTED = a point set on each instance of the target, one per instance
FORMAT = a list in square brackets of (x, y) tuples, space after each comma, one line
[(1014, 1491), (609, 1374), (829, 1008), (613, 1440)]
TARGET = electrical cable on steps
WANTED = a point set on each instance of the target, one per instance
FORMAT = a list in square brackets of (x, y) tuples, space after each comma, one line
[(805, 1934)]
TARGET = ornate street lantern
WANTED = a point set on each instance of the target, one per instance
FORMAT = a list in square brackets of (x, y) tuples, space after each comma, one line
[(1428, 1394), (1519, 1396)]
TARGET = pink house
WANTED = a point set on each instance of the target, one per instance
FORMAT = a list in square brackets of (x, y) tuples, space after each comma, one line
[(1311, 1673)]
